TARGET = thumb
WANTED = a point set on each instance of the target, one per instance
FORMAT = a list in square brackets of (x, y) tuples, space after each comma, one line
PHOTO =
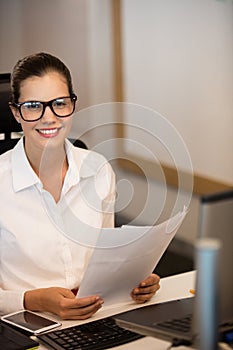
[(67, 293)]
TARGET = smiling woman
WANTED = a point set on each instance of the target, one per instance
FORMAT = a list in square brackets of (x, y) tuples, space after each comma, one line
[(49, 185)]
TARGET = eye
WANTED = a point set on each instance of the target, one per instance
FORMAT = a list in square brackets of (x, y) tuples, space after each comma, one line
[(32, 106), (60, 102)]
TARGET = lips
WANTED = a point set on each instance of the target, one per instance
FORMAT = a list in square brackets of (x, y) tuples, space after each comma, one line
[(48, 132)]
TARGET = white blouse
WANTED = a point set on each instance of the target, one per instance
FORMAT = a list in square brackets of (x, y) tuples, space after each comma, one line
[(44, 243)]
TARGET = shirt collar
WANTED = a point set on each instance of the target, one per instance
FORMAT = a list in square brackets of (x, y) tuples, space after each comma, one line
[(22, 172), (82, 164)]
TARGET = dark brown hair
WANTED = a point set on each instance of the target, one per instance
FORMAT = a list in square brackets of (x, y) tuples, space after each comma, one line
[(37, 65)]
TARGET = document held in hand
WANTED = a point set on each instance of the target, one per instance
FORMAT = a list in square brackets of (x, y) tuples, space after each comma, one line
[(124, 256)]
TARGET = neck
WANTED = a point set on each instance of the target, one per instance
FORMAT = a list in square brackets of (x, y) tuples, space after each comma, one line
[(47, 162)]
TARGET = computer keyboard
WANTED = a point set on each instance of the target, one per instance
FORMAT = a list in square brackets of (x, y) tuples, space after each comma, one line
[(96, 335), (182, 324)]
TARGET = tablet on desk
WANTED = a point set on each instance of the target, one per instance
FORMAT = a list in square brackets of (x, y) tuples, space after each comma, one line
[(30, 322)]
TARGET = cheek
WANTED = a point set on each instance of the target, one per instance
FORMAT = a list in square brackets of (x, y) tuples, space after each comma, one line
[(68, 123), (27, 127)]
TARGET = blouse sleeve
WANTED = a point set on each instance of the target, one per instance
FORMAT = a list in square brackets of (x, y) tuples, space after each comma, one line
[(11, 301)]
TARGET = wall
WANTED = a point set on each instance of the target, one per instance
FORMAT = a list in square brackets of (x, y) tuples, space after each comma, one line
[(10, 34), (178, 60)]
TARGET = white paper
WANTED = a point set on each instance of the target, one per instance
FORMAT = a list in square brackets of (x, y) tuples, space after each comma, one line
[(124, 256)]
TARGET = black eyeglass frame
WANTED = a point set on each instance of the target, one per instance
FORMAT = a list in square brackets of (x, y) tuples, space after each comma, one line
[(73, 97)]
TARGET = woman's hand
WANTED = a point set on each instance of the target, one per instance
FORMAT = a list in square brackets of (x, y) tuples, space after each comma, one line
[(62, 302), (146, 289)]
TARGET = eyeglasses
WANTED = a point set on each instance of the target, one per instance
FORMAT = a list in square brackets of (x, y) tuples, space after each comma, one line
[(31, 111)]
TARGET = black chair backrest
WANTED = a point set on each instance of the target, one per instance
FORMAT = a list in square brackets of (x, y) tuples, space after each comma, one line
[(8, 124), (79, 143)]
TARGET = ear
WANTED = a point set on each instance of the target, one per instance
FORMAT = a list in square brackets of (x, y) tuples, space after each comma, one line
[(15, 112)]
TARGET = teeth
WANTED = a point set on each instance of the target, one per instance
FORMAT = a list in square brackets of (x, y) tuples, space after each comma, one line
[(48, 132)]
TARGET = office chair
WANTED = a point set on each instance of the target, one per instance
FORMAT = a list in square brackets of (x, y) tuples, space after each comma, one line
[(8, 124), (78, 143)]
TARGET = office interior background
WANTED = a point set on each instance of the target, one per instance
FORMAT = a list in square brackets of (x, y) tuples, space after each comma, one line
[(174, 57)]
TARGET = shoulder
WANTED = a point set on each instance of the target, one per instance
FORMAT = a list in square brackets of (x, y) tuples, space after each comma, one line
[(89, 161), (5, 172), (5, 161)]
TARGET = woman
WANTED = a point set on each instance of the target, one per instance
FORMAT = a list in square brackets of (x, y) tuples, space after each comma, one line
[(40, 178)]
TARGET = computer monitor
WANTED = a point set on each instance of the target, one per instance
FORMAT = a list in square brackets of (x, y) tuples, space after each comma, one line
[(216, 221)]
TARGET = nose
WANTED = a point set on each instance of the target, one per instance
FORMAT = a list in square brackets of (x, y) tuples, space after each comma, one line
[(48, 115)]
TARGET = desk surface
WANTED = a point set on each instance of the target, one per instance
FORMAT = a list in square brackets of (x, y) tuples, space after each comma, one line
[(172, 287)]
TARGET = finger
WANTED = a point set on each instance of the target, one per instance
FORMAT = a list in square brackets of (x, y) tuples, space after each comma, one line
[(145, 290), (150, 280), (84, 312), (84, 302), (142, 298), (142, 291), (67, 293), (81, 313), (84, 316)]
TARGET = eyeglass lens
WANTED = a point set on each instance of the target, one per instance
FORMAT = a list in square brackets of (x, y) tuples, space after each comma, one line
[(61, 107)]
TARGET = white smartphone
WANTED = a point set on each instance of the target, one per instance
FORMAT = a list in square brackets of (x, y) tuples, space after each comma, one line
[(30, 321)]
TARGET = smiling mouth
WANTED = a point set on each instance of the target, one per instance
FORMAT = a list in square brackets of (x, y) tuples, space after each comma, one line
[(48, 132)]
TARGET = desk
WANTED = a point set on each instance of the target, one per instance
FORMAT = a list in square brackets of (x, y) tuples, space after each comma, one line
[(172, 287)]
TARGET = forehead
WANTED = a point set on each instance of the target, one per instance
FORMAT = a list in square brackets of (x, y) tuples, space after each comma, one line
[(47, 87)]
